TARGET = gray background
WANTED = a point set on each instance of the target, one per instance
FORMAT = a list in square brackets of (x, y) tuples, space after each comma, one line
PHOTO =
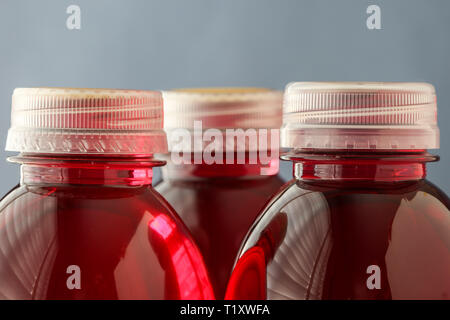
[(165, 44)]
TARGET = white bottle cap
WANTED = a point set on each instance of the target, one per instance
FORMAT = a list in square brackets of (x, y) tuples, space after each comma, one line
[(222, 108), (360, 115), (86, 121)]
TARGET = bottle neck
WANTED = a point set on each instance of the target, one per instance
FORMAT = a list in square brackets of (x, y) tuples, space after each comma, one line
[(361, 165), (86, 170), (234, 165)]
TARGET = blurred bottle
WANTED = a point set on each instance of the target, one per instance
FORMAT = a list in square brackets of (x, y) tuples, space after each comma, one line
[(223, 166)]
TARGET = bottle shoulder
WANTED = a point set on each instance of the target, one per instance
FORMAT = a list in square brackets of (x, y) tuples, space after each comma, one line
[(296, 188), (323, 242), (302, 201), (115, 200), (108, 234)]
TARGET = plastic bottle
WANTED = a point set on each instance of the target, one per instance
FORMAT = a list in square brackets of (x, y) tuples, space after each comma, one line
[(85, 222), (359, 220), (219, 197)]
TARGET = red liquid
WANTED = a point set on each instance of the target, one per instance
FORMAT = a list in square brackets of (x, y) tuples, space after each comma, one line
[(219, 203), (106, 220), (350, 229)]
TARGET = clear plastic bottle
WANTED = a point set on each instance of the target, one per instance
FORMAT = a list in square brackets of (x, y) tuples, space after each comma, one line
[(219, 201), (359, 220), (85, 222)]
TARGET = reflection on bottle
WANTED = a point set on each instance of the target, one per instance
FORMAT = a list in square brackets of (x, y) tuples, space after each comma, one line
[(43, 233), (298, 269), (289, 258), (419, 241), (181, 260), (27, 246), (248, 280)]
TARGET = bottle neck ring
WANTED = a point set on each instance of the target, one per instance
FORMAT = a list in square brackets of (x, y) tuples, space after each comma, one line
[(86, 170), (229, 165), (408, 165)]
